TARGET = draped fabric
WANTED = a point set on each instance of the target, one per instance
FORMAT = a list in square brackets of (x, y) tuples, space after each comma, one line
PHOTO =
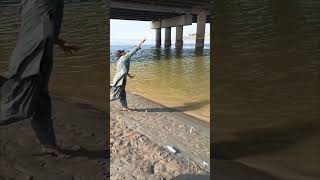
[(31, 60), (123, 66)]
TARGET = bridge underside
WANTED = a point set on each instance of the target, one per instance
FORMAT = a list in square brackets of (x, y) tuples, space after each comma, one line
[(166, 14), (139, 15)]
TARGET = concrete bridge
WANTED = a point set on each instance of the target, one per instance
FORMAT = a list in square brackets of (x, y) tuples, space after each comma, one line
[(166, 14)]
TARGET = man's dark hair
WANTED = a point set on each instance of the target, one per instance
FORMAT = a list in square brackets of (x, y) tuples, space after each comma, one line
[(119, 53)]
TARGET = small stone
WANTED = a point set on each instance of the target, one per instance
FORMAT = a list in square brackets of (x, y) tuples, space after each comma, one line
[(171, 149), (43, 164), (191, 130), (205, 163), (159, 168)]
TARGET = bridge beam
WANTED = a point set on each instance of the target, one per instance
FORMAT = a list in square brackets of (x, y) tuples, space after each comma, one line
[(201, 26), (183, 20), (179, 36), (167, 40), (156, 8)]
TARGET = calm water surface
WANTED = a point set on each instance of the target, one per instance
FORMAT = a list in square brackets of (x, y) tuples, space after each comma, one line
[(266, 86), (172, 77), (80, 77)]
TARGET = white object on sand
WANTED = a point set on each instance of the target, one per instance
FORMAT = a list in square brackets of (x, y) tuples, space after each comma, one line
[(191, 129), (205, 163), (171, 149)]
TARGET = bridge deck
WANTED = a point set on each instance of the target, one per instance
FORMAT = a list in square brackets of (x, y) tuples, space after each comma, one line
[(148, 10)]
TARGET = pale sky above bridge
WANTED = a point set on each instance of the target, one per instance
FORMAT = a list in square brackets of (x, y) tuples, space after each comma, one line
[(130, 32)]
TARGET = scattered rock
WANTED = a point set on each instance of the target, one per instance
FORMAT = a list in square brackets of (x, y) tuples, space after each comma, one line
[(171, 148), (205, 163), (191, 130)]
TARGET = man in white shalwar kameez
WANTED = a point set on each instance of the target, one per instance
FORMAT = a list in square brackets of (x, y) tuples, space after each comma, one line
[(120, 79)]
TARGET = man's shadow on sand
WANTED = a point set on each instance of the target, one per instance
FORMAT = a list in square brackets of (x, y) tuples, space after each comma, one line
[(82, 152), (264, 140), (185, 107), (90, 154)]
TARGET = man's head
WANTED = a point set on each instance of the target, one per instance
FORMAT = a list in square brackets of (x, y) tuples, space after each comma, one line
[(120, 53)]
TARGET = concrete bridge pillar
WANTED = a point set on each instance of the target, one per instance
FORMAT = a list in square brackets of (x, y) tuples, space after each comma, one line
[(179, 36), (201, 26), (167, 40), (158, 37)]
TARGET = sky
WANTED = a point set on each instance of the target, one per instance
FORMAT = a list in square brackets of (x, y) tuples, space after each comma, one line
[(131, 32)]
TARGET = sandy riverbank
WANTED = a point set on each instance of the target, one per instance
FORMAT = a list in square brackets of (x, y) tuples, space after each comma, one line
[(136, 152), (81, 133), (138, 138)]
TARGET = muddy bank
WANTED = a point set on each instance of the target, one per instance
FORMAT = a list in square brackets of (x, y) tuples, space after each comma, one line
[(81, 133)]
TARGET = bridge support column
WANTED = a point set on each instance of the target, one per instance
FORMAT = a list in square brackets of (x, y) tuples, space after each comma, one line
[(179, 36), (167, 40), (158, 37), (201, 26)]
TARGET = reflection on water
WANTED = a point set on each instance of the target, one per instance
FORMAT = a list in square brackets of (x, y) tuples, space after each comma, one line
[(81, 77), (175, 78)]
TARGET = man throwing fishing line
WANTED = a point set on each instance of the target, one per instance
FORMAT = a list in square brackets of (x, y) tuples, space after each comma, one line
[(24, 91), (119, 82)]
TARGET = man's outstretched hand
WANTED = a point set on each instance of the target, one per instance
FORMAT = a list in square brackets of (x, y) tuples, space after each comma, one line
[(144, 39), (130, 76), (68, 50)]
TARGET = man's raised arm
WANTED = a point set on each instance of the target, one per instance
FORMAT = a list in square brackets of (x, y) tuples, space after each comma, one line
[(135, 49)]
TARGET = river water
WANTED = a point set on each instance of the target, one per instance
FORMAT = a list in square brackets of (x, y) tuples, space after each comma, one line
[(175, 78), (81, 77), (266, 93)]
